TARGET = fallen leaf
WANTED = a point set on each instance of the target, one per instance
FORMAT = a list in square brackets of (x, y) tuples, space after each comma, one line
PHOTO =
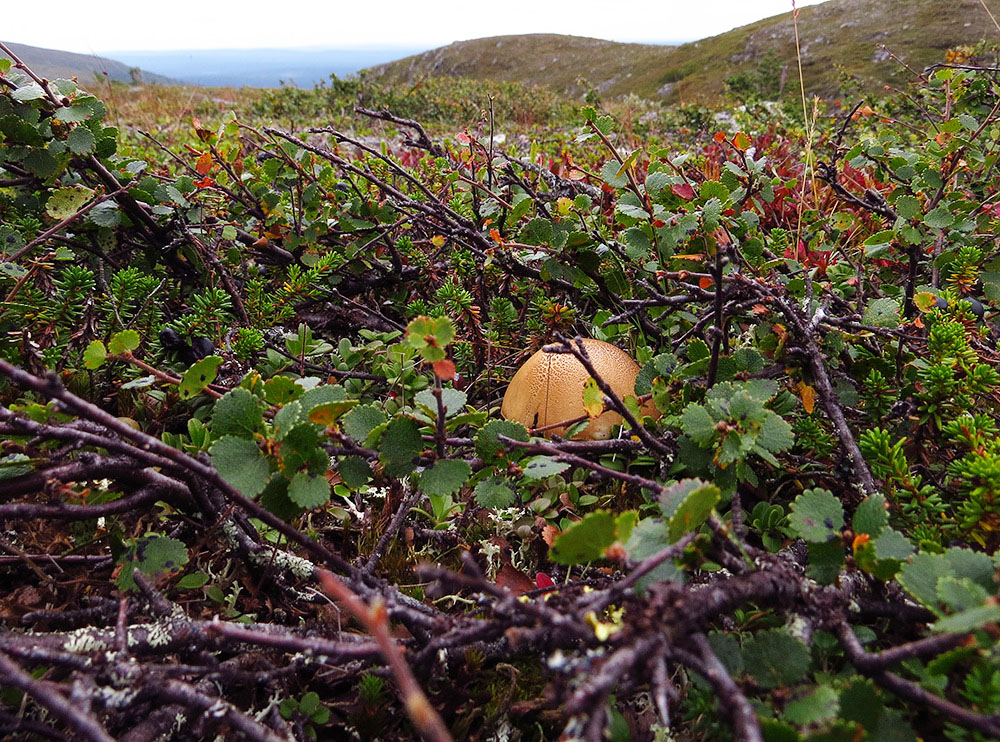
[(514, 580)]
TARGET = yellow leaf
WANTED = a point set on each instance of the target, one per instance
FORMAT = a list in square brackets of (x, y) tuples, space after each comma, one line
[(924, 301), (328, 412), (593, 398), (808, 395)]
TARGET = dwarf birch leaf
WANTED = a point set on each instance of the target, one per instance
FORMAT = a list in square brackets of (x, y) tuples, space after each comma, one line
[(327, 413), (64, 202), (240, 462), (775, 657), (446, 477), (281, 390), (960, 594), (126, 340), (361, 421), (816, 516), (816, 708), (200, 375), (970, 620), (825, 560), (593, 398), (94, 355), (401, 444), (488, 444), (973, 565), (309, 490), (540, 467), (354, 471), (237, 413), (871, 516), (882, 312), (453, 400), (495, 493), (585, 540), (693, 510), (81, 141), (152, 555), (919, 577)]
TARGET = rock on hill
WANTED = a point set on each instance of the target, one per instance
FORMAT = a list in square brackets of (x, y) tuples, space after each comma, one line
[(836, 37), (53, 64)]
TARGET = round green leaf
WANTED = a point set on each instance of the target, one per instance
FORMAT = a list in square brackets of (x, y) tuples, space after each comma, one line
[(354, 471), (240, 462), (446, 477), (200, 375), (585, 540), (126, 340), (64, 202), (495, 493), (816, 515), (94, 355), (488, 443), (692, 510), (775, 657), (237, 413), (871, 516), (309, 490), (361, 421), (541, 467), (401, 444)]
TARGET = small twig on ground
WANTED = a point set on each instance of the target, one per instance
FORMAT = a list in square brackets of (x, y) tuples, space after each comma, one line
[(376, 621)]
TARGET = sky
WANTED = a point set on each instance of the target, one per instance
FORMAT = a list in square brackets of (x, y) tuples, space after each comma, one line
[(110, 25)]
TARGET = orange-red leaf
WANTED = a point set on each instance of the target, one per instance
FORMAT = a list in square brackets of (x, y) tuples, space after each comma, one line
[(444, 369), (204, 164)]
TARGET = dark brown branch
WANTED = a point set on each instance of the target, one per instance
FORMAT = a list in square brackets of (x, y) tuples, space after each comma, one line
[(81, 722)]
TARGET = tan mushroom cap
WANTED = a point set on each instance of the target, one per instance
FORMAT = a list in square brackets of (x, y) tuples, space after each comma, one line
[(548, 389)]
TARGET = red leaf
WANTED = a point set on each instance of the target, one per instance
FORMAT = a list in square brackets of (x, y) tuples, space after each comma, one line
[(444, 369), (542, 580), (514, 580), (683, 190), (720, 136), (496, 236)]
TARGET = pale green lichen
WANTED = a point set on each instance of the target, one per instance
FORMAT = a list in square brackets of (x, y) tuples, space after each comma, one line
[(85, 641)]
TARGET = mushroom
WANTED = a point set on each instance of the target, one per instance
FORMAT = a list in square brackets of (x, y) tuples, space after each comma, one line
[(548, 389)]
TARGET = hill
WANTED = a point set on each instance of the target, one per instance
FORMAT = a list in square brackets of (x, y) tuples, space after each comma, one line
[(566, 63), (54, 64), (839, 36)]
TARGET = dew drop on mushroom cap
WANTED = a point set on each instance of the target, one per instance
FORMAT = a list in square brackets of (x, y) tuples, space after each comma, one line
[(548, 389)]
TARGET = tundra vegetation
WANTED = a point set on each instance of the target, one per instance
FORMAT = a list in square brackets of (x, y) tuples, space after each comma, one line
[(255, 479)]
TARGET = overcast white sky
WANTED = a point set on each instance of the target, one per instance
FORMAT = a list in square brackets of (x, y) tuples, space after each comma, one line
[(108, 25)]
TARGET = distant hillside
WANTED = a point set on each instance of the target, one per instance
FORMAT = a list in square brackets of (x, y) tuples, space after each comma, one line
[(566, 63), (835, 36), (53, 64)]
